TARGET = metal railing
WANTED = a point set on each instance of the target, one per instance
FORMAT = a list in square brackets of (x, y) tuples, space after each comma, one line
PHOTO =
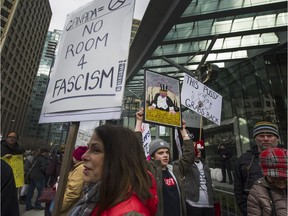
[(227, 203)]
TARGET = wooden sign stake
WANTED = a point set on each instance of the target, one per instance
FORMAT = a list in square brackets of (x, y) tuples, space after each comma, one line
[(65, 167)]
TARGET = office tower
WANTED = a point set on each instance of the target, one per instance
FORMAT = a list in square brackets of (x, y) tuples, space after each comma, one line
[(34, 133), (24, 25), (135, 26)]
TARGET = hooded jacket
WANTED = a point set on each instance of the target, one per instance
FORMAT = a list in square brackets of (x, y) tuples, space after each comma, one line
[(259, 202)]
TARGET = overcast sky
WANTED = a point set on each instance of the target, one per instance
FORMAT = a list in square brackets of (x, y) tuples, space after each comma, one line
[(60, 9)]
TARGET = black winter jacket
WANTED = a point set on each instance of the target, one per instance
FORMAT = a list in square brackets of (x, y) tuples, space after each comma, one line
[(8, 149), (39, 170), (247, 171), (9, 201)]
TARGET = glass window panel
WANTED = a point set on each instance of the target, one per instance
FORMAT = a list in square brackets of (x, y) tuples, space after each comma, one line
[(222, 56), (251, 95), (240, 54), (264, 21), (242, 24), (221, 27), (218, 44), (282, 19), (212, 57), (268, 38), (249, 40), (232, 42), (192, 67), (237, 98)]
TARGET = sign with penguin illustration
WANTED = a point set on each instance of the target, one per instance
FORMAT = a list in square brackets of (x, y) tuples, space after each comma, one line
[(162, 98)]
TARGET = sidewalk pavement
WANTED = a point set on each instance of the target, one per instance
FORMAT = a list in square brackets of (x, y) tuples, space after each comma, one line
[(32, 212)]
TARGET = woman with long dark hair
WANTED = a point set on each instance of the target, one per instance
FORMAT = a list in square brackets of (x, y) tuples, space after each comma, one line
[(118, 180)]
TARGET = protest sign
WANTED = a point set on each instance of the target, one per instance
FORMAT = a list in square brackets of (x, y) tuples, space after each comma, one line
[(85, 132), (90, 68), (177, 141), (16, 163), (162, 98), (201, 99), (146, 137)]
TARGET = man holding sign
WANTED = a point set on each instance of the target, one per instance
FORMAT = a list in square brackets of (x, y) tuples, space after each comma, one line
[(12, 153), (10, 147)]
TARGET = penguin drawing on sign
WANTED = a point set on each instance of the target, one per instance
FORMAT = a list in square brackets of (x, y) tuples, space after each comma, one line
[(162, 101)]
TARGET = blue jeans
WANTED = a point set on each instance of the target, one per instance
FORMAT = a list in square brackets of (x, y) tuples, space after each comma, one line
[(39, 184)]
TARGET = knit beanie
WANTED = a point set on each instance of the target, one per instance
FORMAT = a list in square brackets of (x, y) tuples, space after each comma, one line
[(199, 146), (79, 151), (273, 162), (157, 144), (265, 127)]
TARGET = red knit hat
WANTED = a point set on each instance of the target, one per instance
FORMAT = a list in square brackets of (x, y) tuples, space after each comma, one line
[(79, 151), (199, 146), (273, 162)]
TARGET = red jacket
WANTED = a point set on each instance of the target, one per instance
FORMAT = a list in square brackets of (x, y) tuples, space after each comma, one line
[(134, 204)]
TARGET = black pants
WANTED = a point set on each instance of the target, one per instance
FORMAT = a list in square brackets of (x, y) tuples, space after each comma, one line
[(225, 165), (199, 211)]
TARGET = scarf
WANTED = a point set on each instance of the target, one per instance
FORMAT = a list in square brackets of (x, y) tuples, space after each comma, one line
[(86, 205)]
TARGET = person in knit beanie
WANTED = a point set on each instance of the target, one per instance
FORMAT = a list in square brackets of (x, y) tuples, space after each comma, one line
[(169, 175), (79, 151), (247, 167), (268, 195), (75, 182), (266, 135)]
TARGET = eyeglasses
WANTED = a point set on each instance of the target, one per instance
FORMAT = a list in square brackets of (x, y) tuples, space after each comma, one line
[(11, 137)]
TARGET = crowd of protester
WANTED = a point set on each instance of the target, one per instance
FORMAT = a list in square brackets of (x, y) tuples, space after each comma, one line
[(112, 176)]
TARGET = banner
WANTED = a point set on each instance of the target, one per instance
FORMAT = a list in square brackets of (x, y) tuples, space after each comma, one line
[(85, 132), (146, 136), (201, 99), (90, 68), (162, 97), (17, 165), (178, 144)]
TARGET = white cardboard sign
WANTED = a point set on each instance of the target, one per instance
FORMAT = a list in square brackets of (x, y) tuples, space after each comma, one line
[(146, 136), (201, 99), (90, 68)]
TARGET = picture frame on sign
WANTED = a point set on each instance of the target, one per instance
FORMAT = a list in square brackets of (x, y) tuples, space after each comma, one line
[(162, 100)]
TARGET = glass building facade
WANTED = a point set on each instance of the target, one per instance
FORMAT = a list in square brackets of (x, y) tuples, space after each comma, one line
[(24, 25), (246, 40), (35, 134)]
